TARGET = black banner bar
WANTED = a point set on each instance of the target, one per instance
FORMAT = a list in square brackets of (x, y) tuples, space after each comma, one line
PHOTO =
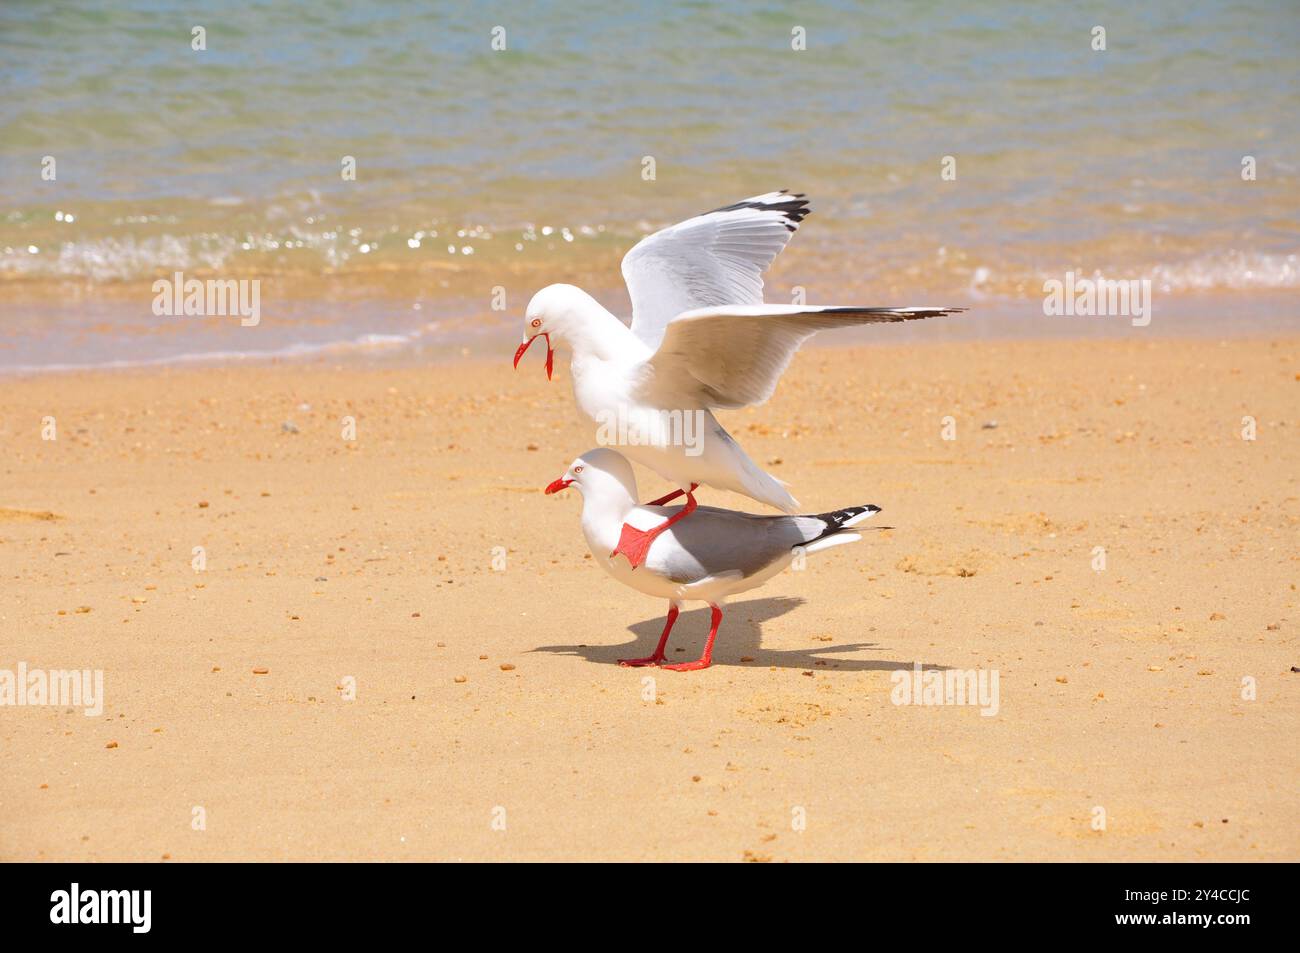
[(137, 903)]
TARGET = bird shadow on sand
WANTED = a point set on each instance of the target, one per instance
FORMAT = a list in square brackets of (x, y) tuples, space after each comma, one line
[(741, 637)]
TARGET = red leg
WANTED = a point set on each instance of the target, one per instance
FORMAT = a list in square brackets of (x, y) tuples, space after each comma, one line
[(705, 660), (671, 497), (635, 543), (659, 649)]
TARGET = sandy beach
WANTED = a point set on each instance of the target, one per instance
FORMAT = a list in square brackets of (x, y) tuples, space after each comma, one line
[(490, 720)]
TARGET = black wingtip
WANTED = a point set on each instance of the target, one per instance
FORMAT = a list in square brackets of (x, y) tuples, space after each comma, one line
[(793, 211), (836, 520), (895, 314)]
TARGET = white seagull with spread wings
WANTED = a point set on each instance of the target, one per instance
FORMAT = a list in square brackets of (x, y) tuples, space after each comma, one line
[(701, 338)]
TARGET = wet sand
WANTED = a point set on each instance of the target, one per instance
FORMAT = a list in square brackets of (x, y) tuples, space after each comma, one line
[(332, 563)]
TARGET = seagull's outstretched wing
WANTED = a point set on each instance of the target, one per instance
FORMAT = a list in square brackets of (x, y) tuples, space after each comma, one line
[(733, 356), (713, 259)]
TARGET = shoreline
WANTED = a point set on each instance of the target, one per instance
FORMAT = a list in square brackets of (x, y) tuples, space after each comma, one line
[(447, 338)]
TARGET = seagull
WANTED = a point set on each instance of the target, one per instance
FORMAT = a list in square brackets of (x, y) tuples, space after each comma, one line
[(701, 338), (717, 554)]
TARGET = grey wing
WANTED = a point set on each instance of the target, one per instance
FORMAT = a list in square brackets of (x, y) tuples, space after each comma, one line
[(712, 259), (714, 542)]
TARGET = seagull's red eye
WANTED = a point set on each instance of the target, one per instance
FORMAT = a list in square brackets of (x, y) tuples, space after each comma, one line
[(537, 322), (577, 469)]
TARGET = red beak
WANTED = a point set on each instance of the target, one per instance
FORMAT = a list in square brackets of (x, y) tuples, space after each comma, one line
[(557, 486), (550, 352)]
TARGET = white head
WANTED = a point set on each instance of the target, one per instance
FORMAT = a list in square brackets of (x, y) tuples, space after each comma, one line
[(599, 473), (564, 315)]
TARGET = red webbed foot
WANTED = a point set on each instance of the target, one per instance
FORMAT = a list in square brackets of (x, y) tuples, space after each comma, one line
[(640, 662), (695, 666), (634, 544)]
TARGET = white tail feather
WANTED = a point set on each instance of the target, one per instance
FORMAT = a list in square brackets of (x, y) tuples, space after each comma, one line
[(829, 541)]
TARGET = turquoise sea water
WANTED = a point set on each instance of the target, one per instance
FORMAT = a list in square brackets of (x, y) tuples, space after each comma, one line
[(479, 167)]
